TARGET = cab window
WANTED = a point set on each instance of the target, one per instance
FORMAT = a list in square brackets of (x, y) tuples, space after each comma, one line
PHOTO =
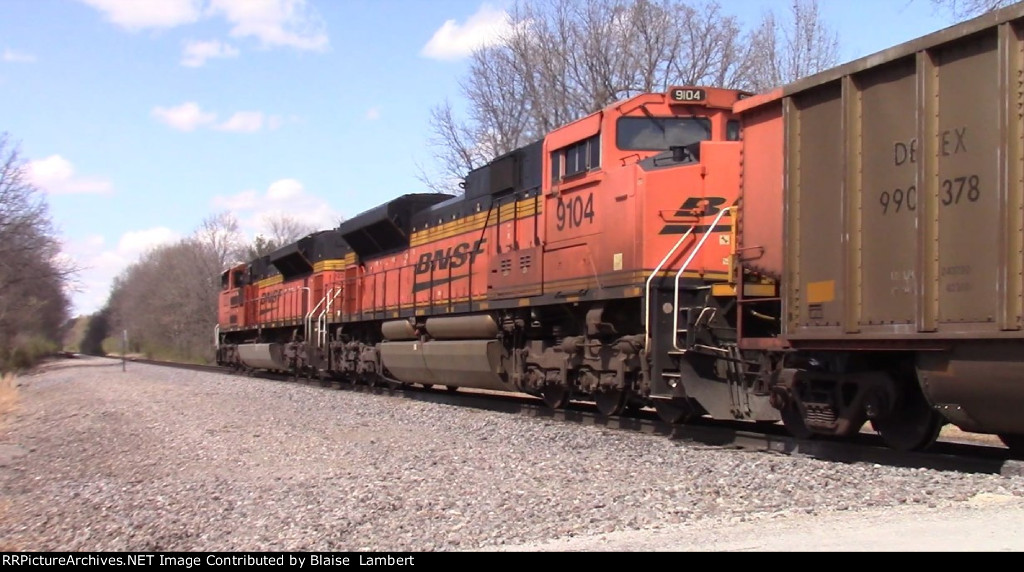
[(660, 133), (732, 130), (576, 158)]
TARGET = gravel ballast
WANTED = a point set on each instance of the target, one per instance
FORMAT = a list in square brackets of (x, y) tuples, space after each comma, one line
[(159, 459)]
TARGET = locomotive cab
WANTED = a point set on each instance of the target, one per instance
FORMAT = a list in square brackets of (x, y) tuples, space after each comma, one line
[(230, 309), (638, 226), (231, 302)]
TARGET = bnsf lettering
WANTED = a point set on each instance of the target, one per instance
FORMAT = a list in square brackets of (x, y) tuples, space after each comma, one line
[(452, 258)]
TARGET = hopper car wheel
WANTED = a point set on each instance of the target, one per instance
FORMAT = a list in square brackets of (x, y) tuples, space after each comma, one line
[(555, 395), (913, 427), (1013, 442), (427, 385), (673, 412), (610, 401), (794, 422), (452, 388)]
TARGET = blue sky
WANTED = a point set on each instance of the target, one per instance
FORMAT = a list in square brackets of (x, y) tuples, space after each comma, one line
[(142, 117)]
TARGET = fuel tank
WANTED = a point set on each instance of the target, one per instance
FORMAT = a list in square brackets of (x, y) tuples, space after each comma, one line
[(462, 327), (262, 356), (397, 330), (467, 363)]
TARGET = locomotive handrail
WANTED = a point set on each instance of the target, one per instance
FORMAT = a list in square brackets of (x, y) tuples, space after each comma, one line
[(320, 317), (679, 275), (322, 320), (305, 301), (309, 317), (647, 295)]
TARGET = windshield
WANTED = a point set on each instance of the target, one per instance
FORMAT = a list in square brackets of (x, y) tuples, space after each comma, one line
[(660, 133)]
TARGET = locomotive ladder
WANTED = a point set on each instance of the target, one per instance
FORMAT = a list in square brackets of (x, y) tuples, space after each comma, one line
[(309, 319), (678, 278), (321, 320), (739, 372)]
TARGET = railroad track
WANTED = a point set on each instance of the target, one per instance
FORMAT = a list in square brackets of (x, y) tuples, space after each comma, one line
[(960, 455)]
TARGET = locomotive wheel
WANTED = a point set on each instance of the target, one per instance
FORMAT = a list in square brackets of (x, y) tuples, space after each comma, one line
[(555, 395), (610, 401), (913, 427), (1013, 442), (673, 412)]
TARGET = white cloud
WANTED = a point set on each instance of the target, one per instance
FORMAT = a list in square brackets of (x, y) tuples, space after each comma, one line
[(18, 57), (56, 175), (245, 200), (243, 122), (189, 116), (452, 40), (137, 242), (140, 14), (284, 189), (185, 117), (94, 241), (286, 197), (373, 113), (274, 122), (196, 53), (274, 23)]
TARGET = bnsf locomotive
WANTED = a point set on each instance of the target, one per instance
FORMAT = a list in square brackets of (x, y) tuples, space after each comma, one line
[(845, 249)]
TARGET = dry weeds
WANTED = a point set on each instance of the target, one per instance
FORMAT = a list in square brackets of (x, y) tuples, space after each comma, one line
[(8, 405), (8, 397)]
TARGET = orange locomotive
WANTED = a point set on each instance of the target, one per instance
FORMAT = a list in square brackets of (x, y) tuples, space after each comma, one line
[(846, 249)]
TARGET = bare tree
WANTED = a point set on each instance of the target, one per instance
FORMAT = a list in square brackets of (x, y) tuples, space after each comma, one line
[(456, 150), (260, 246), (24, 220), (563, 59), (168, 300), (963, 9), (787, 52), (221, 235), (710, 51), (285, 229), (33, 301)]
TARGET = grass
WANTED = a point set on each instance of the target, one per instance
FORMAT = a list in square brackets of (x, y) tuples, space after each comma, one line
[(24, 352)]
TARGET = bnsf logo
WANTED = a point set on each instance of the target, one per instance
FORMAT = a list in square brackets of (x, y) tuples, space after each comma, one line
[(707, 206), (453, 257)]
